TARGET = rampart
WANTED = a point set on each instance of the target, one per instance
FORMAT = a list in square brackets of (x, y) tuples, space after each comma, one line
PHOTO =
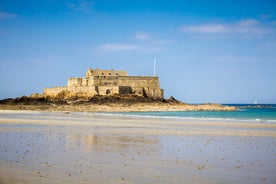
[(108, 82), (54, 90)]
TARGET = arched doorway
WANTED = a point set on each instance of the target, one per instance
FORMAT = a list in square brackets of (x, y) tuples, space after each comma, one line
[(108, 91)]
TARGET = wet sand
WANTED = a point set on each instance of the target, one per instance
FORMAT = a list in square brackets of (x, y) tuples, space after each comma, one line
[(58, 147)]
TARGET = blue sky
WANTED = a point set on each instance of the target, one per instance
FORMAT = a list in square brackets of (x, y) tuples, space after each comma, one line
[(206, 51)]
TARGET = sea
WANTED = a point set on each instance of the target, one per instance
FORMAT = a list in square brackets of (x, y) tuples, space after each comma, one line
[(244, 112)]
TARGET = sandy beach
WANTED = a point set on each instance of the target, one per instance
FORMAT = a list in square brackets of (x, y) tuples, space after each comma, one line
[(72, 147)]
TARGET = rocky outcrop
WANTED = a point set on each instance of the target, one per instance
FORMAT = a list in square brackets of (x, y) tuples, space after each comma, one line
[(66, 95), (67, 101)]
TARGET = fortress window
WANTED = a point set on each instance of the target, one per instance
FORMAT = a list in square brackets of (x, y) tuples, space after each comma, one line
[(102, 73), (108, 91), (117, 74), (109, 73)]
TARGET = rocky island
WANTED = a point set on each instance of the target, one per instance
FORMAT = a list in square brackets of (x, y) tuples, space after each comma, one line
[(106, 91)]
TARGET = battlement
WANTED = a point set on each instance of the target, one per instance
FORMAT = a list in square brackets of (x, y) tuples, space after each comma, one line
[(98, 72)]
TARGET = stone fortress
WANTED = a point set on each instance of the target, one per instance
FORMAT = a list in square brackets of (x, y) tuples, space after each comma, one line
[(110, 82)]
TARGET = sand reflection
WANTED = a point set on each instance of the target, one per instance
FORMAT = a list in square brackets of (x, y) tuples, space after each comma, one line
[(99, 142)]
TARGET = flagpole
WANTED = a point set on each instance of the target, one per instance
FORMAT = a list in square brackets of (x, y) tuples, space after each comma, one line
[(154, 65)]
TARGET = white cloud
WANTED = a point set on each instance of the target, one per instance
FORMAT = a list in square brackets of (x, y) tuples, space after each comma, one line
[(140, 42), (245, 27), (126, 47), (206, 28), (110, 47), (251, 26), (84, 6), (236, 59), (141, 36), (5, 15)]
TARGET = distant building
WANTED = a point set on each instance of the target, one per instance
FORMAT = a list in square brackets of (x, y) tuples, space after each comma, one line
[(109, 82)]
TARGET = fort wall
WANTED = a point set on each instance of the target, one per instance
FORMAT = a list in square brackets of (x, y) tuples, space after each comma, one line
[(54, 90), (89, 90), (107, 90), (138, 85), (72, 82), (97, 72), (149, 85), (108, 82)]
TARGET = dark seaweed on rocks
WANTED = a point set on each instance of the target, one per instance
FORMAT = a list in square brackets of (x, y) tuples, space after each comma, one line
[(97, 99), (24, 100), (123, 99)]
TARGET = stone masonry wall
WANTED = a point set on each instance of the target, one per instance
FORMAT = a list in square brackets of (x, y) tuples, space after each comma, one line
[(53, 91), (74, 82), (110, 83), (149, 84), (89, 90)]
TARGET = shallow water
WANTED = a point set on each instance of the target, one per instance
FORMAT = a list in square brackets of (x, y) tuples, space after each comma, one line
[(245, 112), (92, 151)]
